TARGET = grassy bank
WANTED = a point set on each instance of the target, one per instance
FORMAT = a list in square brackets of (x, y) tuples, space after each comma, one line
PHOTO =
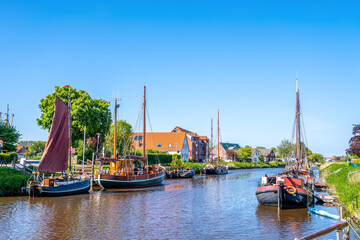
[(346, 188), (11, 181), (232, 165)]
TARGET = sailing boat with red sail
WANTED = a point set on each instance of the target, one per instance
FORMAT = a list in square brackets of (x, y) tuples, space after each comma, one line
[(57, 158)]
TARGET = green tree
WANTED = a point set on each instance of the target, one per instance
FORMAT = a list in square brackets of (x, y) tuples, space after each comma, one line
[(261, 158), (260, 147), (37, 147), (123, 138), (85, 111), (316, 157), (10, 137), (243, 153), (285, 148)]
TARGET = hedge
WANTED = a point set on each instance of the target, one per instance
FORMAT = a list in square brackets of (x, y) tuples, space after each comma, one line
[(8, 157), (154, 158)]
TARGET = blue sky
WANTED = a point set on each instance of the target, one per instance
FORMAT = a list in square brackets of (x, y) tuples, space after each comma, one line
[(194, 57)]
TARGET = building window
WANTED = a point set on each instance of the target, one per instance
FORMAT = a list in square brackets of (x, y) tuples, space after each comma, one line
[(159, 145), (138, 138), (170, 145)]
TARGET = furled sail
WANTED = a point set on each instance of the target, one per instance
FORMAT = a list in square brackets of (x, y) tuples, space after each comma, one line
[(56, 153)]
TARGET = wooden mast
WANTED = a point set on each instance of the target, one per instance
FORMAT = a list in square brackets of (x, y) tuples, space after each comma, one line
[(298, 139), (218, 147), (7, 114), (115, 127), (69, 112), (144, 123), (211, 155)]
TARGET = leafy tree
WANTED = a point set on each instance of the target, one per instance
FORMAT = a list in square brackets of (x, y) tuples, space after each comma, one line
[(261, 158), (243, 153), (260, 147), (285, 147), (92, 113), (230, 154), (274, 149), (37, 147), (10, 137), (315, 157), (354, 142), (123, 137)]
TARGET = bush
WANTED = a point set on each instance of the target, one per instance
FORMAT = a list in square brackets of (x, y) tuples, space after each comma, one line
[(156, 158), (9, 157), (11, 181)]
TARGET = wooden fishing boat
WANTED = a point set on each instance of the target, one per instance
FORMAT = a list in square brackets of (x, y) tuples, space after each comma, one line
[(129, 171), (57, 158), (293, 188), (215, 169), (179, 172)]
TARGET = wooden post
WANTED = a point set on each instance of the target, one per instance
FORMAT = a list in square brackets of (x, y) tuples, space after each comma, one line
[(341, 211), (357, 206), (280, 197), (92, 170)]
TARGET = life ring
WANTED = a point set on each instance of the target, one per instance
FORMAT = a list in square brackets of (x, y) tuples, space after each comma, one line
[(291, 189)]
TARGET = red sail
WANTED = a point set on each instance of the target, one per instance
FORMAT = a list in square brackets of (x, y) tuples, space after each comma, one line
[(56, 153)]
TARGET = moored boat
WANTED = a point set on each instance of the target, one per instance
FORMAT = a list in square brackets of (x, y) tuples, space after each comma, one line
[(179, 172), (129, 171), (282, 191), (215, 169), (324, 198), (295, 187), (56, 158)]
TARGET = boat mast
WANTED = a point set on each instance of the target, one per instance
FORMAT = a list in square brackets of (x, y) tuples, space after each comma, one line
[(69, 112), (218, 147), (144, 123), (298, 139), (115, 127), (211, 155)]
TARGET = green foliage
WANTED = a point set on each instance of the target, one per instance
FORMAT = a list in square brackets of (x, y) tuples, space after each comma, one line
[(243, 153), (315, 157), (37, 147), (162, 158), (92, 113), (88, 150), (261, 158), (10, 137), (124, 137), (11, 181), (9, 157), (285, 147), (260, 147), (345, 188)]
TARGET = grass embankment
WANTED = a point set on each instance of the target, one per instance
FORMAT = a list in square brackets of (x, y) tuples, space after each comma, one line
[(346, 188), (11, 181), (232, 165)]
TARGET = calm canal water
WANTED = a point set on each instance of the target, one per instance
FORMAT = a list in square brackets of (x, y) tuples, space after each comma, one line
[(206, 207)]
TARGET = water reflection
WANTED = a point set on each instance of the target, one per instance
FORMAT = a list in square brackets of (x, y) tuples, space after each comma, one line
[(205, 207)]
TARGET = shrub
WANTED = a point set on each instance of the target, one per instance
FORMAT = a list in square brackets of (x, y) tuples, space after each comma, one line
[(9, 157)]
